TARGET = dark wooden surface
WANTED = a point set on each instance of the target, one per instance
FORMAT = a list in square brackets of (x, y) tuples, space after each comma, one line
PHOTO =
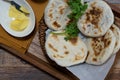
[(13, 68)]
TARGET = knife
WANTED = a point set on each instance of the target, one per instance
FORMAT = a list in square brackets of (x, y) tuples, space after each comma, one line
[(17, 6)]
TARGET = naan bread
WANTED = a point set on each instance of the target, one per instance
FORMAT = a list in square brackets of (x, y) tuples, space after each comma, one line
[(65, 53), (100, 49), (97, 19), (116, 32), (55, 14)]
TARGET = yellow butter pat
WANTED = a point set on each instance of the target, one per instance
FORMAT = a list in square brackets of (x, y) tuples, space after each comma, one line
[(19, 25), (24, 9), (20, 21)]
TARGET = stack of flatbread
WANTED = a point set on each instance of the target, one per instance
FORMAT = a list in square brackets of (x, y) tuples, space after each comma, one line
[(101, 35)]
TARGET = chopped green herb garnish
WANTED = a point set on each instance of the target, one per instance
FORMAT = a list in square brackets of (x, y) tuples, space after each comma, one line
[(78, 10)]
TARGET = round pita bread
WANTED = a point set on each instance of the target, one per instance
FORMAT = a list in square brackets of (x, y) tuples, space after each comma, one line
[(55, 14), (116, 32), (100, 49), (65, 53), (97, 19)]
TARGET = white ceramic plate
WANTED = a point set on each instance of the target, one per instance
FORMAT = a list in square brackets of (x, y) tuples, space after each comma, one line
[(5, 19)]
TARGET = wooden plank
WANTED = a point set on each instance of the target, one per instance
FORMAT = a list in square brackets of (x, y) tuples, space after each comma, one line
[(23, 73), (115, 9), (114, 73), (39, 63), (35, 48), (9, 60), (114, 1), (13, 68)]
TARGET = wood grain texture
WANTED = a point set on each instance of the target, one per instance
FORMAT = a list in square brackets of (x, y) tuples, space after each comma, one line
[(23, 73), (114, 1), (12, 68), (114, 73)]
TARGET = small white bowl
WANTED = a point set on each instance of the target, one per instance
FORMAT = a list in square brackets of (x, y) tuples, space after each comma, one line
[(5, 19)]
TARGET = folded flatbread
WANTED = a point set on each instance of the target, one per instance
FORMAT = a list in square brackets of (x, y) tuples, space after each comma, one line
[(100, 49), (97, 19), (55, 14), (116, 32), (65, 53)]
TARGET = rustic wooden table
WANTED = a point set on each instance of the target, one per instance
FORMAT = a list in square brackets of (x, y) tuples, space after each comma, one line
[(13, 68)]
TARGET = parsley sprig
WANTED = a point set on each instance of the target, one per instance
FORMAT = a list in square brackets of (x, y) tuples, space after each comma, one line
[(78, 9)]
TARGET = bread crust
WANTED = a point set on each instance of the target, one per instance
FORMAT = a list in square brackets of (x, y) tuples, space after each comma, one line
[(97, 19), (65, 53), (55, 14), (100, 49)]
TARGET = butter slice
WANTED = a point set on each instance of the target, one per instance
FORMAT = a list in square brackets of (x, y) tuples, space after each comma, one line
[(19, 25), (20, 21), (24, 9)]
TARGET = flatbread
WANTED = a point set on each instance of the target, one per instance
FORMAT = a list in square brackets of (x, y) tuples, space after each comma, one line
[(65, 53), (97, 19), (116, 32), (100, 49), (55, 14)]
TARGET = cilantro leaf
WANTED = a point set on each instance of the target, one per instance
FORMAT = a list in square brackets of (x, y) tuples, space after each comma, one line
[(78, 9)]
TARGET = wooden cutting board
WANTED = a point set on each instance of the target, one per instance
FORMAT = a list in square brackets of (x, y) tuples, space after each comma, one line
[(29, 48), (22, 44)]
